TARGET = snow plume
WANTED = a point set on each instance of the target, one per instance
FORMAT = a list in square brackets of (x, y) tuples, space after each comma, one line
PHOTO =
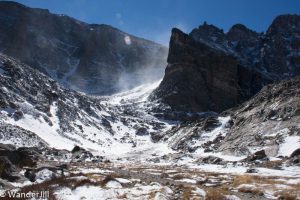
[(149, 72), (127, 80)]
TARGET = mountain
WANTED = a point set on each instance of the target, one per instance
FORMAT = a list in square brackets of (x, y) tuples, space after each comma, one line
[(36, 111), (269, 121), (209, 70), (95, 59), (178, 138)]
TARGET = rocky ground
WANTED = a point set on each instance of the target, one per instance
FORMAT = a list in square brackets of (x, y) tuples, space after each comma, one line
[(81, 175)]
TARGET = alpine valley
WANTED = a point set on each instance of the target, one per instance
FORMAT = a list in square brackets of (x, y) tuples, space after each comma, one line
[(88, 111)]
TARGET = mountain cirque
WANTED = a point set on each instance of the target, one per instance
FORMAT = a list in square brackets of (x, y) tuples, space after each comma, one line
[(156, 140)]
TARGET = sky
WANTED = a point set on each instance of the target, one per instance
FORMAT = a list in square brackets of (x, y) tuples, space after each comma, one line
[(154, 19)]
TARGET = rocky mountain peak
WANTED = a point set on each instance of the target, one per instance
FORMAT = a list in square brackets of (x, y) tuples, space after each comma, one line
[(240, 32), (285, 23), (12, 4), (209, 70), (209, 34), (209, 30)]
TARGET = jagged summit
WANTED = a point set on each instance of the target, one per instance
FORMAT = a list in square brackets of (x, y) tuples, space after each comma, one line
[(283, 23), (209, 70)]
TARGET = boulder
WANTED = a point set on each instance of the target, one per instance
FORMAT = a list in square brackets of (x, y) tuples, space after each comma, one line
[(211, 160), (295, 153), (80, 154), (251, 170), (142, 131), (7, 169), (259, 155), (20, 157)]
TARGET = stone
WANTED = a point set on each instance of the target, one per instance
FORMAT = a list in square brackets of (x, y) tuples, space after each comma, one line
[(7, 169), (20, 157), (142, 131), (295, 153), (252, 170), (211, 160), (259, 155)]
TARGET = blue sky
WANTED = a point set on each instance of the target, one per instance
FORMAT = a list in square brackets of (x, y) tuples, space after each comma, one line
[(153, 19)]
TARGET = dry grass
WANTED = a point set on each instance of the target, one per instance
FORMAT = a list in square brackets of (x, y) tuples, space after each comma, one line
[(248, 179), (108, 178), (285, 196), (187, 193), (123, 196), (254, 191), (266, 183), (216, 193), (289, 194), (272, 164), (179, 176)]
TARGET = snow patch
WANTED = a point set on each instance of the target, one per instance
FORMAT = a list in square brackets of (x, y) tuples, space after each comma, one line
[(44, 175), (290, 144), (113, 184)]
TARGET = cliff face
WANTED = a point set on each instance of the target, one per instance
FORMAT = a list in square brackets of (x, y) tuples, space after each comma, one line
[(201, 78), (195, 78), (209, 70), (87, 57)]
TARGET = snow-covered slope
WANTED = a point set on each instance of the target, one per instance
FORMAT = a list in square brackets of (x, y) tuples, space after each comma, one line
[(62, 118), (36, 111), (269, 121)]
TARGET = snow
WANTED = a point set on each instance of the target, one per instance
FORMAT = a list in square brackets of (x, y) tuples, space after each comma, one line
[(137, 192), (232, 197), (73, 68), (123, 180), (292, 171), (187, 180), (40, 127), (44, 175), (290, 144), (199, 191), (113, 184), (138, 94)]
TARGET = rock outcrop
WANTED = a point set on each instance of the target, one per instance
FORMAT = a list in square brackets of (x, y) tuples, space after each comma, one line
[(209, 70), (199, 78)]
